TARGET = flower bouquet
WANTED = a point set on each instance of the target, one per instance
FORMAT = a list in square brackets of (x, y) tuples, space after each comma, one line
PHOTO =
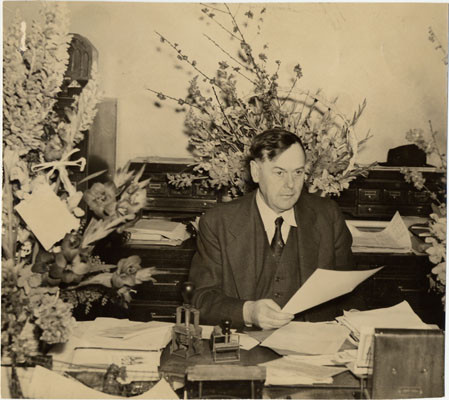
[(221, 124), (50, 227)]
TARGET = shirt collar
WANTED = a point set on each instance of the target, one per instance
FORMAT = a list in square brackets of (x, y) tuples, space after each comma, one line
[(268, 215)]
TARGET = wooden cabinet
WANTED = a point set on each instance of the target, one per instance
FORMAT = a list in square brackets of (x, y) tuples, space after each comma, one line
[(404, 277)]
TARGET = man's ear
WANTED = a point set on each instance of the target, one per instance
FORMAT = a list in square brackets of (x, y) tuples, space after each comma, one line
[(254, 168)]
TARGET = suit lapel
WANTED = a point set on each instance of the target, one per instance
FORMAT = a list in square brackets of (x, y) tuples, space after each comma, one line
[(245, 253), (308, 238)]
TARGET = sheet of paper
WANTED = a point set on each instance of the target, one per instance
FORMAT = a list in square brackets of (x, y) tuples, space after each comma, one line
[(288, 371), (126, 329), (247, 342), (307, 338), (44, 205), (340, 358), (325, 285), (395, 236), (67, 388), (147, 228)]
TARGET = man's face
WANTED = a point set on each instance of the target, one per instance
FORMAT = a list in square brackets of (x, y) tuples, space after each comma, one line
[(281, 179)]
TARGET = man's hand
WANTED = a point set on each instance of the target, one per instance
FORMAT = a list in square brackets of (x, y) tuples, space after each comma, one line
[(265, 314)]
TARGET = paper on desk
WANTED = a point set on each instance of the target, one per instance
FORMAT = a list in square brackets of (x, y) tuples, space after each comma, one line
[(340, 358), (124, 334), (395, 237), (307, 338), (399, 316), (62, 387), (288, 371), (42, 206), (363, 323), (125, 329), (158, 229), (325, 285)]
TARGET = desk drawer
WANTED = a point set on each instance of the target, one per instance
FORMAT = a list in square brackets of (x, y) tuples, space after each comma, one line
[(370, 195), (143, 310), (166, 287), (395, 196)]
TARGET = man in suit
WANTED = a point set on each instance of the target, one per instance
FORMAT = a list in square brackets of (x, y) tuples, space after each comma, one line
[(255, 252)]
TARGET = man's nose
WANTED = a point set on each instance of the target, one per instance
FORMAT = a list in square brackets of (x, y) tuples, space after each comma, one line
[(289, 180)]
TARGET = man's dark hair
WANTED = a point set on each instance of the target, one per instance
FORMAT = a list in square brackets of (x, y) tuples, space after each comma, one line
[(272, 143)]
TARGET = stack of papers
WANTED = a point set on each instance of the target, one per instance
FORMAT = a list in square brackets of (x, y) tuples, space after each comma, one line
[(135, 345), (363, 323), (380, 236), (158, 231)]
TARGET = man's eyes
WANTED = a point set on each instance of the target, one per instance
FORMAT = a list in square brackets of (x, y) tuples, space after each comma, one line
[(297, 173)]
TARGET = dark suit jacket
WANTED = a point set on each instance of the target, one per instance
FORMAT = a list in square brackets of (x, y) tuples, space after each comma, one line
[(224, 266)]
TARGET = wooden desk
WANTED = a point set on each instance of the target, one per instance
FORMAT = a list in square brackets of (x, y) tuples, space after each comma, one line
[(345, 385)]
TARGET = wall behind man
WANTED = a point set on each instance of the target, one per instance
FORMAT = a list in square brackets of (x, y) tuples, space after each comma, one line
[(352, 51)]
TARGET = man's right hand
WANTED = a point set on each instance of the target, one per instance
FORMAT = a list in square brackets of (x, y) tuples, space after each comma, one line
[(265, 314)]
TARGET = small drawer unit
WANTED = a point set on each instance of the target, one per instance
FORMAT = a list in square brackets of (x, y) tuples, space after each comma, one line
[(383, 192), (164, 197)]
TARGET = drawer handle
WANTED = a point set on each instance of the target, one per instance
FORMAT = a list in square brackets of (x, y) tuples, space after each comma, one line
[(161, 316), (174, 283), (408, 290)]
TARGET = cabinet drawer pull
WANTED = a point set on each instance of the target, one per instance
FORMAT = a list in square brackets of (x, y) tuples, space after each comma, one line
[(161, 316), (408, 290), (174, 283)]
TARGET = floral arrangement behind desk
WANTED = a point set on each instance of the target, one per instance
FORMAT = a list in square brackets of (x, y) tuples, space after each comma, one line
[(48, 239), (221, 121), (436, 242)]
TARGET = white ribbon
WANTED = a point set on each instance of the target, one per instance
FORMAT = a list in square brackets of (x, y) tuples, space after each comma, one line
[(61, 167)]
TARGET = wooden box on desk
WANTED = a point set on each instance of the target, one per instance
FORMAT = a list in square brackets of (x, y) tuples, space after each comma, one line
[(407, 363)]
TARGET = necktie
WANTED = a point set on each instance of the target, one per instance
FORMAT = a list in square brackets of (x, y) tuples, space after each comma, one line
[(277, 244)]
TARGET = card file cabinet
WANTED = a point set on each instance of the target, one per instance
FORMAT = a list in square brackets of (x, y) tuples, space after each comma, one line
[(163, 197), (382, 193)]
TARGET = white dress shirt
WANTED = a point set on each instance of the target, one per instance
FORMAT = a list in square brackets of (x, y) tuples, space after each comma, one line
[(269, 216)]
